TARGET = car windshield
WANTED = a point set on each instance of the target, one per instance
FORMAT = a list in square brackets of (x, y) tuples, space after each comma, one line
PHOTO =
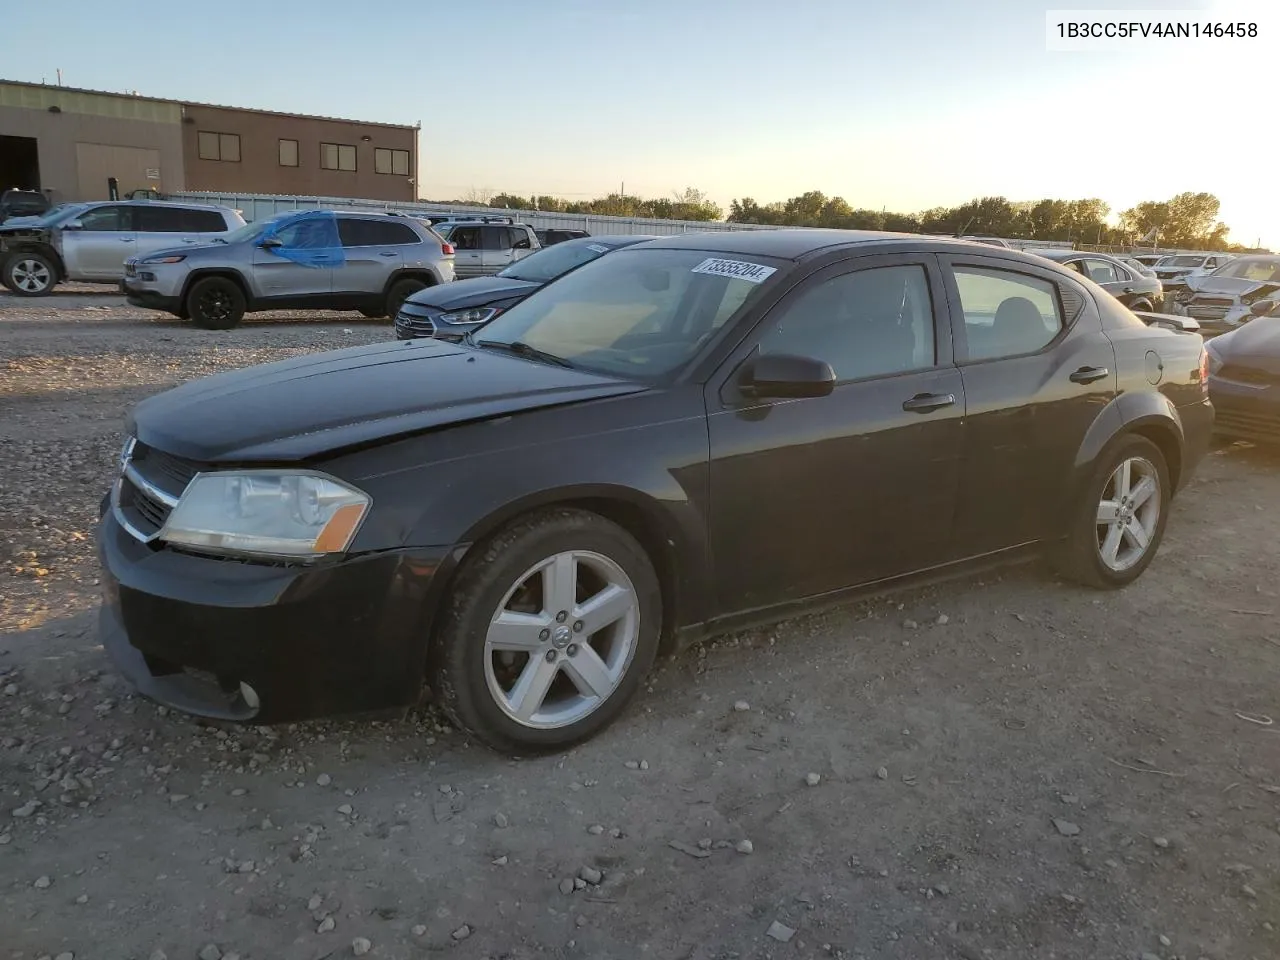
[(638, 313), (545, 265), (251, 230), (55, 215), (1183, 261), (1265, 269)]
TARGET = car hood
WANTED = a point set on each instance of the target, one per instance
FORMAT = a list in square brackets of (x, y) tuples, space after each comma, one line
[(1256, 344), (326, 402), (464, 294), (188, 250), (1229, 286)]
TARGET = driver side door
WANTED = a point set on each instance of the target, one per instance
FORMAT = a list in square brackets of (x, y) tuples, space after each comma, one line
[(814, 495), (97, 247)]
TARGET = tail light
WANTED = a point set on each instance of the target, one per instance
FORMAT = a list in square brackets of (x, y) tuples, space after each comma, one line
[(1204, 370), (446, 249)]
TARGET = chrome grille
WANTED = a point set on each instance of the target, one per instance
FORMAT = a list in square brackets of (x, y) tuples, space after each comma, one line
[(150, 484), (414, 321)]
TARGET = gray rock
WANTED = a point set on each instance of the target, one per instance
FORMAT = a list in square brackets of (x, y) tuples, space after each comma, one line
[(500, 862), (159, 955), (1161, 842), (780, 932), (742, 706), (28, 809), (239, 792), (595, 829), (566, 886), (591, 875), (644, 764), (360, 946), (65, 955), (943, 620), (323, 780), (579, 883), (882, 773), (461, 933), (315, 902), (500, 820), (345, 809), (327, 924), (1249, 892), (419, 930), (1066, 827), (744, 846), (210, 951), (42, 883), (812, 779), (632, 765), (910, 624), (1165, 941)]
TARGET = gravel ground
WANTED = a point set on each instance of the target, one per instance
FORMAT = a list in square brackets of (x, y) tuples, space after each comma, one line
[(1007, 767)]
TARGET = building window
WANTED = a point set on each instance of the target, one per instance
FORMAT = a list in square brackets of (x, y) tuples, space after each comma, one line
[(288, 153), (219, 146), (337, 156), (391, 161)]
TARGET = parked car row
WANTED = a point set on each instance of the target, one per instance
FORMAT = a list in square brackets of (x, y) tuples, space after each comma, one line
[(654, 445)]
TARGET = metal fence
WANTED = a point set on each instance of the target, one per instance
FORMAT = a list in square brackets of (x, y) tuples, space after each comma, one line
[(256, 206)]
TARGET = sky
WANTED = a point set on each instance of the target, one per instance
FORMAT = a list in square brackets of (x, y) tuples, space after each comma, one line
[(897, 104)]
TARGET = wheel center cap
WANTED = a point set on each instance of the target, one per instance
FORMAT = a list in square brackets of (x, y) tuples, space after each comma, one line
[(561, 636)]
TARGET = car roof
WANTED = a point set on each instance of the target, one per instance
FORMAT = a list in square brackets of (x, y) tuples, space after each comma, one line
[(1064, 255), (618, 239), (160, 203)]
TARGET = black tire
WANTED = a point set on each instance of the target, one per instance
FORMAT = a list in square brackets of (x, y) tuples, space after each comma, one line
[(399, 292), (215, 303), (372, 313), (457, 664), (30, 274), (1080, 558)]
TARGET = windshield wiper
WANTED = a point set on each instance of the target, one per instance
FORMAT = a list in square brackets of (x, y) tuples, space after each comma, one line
[(521, 349)]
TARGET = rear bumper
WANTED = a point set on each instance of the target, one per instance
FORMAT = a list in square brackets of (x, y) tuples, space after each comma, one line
[(262, 643), (1197, 433), (1246, 411)]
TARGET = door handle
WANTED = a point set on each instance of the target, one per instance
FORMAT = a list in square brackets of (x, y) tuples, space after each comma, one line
[(1090, 374), (386, 253), (126, 239), (928, 402)]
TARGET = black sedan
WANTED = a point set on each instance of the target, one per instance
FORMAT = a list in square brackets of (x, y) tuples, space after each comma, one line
[(1136, 290), (1244, 381), (677, 439), (449, 311)]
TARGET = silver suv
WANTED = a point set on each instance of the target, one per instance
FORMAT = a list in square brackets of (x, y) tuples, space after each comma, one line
[(91, 241), (483, 248), (314, 259)]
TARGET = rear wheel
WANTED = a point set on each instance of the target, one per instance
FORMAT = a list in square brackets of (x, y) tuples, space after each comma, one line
[(550, 630), (401, 291), (30, 274), (215, 303), (1120, 519)]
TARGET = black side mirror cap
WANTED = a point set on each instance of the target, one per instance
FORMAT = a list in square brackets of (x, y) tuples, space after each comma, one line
[(786, 376)]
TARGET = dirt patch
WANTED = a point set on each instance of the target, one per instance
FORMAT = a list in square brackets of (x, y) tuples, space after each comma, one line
[(1007, 767)]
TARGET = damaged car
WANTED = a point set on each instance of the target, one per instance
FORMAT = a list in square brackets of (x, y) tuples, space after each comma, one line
[(1244, 381), (1175, 270), (1246, 288)]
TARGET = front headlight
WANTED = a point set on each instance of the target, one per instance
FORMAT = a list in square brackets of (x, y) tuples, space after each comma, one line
[(175, 258), (268, 513), (469, 317)]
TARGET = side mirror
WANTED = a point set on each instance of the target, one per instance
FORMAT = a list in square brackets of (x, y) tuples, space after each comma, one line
[(271, 243), (785, 376), (522, 244), (73, 225), (1263, 308)]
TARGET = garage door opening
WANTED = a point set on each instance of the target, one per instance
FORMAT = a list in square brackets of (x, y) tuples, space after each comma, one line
[(19, 163)]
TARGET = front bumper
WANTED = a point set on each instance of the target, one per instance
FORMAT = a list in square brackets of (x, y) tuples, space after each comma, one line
[(267, 643), (1247, 411), (140, 296)]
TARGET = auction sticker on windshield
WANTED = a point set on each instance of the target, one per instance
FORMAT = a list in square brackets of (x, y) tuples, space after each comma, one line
[(598, 247), (738, 269)]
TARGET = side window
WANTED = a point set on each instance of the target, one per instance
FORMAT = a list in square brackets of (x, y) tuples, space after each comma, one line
[(496, 238), (1079, 267), (162, 220), (1102, 272), (356, 233), (868, 323), (1006, 314), (465, 238), (106, 219), (204, 221), (395, 234)]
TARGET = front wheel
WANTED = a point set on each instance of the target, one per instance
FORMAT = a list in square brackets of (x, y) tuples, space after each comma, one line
[(215, 303), (401, 291), (1121, 516), (30, 274), (549, 631)]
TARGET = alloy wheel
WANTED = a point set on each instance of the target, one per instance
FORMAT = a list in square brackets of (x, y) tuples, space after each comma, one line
[(1128, 513), (562, 639), (215, 305), (30, 276)]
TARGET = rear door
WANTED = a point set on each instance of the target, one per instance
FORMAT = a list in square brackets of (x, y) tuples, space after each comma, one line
[(1037, 371), (98, 248), (161, 227), (818, 494), (467, 251), (372, 252)]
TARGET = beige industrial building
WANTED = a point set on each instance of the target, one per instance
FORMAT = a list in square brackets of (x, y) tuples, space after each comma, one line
[(72, 143)]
